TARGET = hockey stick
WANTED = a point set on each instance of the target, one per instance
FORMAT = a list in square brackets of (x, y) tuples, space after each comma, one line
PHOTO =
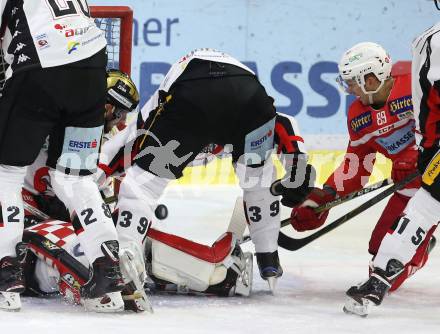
[(36, 212), (293, 244), (353, 195), (340, 200), (348, 197)]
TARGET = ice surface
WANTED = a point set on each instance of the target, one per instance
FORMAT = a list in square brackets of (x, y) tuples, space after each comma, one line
[(309, 297)]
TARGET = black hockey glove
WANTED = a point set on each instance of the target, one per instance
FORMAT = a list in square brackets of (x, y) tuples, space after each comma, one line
[(296, 184)]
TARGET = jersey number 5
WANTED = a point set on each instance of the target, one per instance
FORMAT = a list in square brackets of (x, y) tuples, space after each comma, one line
[(62, 8)]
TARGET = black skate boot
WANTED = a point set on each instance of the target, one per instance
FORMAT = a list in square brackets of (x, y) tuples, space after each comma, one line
[(372, 292), (12, 281), (270, 268), (102, 293)]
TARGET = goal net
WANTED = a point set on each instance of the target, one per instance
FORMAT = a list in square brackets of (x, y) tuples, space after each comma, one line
[(117, 22)]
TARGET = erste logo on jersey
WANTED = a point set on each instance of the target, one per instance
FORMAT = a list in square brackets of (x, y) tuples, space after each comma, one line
[(361, 122), (74, 144), (260, 141), (401, 105)]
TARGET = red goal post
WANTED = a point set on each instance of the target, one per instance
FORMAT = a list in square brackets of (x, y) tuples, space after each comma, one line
[(116, 20)]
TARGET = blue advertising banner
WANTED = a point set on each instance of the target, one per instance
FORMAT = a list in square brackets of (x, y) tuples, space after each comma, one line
[(293, 45)]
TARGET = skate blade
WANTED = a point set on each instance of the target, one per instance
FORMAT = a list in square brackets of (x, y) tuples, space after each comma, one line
[(10, 301), (353, 307), (110, 303), (130, 270), (138, 299), (272, 281), (243, 285)]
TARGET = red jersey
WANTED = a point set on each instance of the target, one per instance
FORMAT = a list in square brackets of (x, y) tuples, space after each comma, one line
[(388, 130)]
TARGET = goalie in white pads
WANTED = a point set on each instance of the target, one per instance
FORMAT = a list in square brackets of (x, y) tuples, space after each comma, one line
[(56, 264)]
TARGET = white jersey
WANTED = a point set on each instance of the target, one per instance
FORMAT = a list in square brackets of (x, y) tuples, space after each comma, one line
[(426, 86), (48, 33)]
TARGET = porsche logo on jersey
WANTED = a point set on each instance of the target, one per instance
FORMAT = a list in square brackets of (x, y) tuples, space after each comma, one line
[(361, 122), (401, 105), (432, 171)]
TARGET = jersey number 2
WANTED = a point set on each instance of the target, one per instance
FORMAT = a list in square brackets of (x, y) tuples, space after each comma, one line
[(62, 8)]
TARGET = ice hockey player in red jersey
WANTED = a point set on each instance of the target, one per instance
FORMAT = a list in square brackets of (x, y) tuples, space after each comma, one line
[(380, 120), (401, 245)]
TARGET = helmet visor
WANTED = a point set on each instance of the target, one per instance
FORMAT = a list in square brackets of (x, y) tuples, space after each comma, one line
[(343, 85)]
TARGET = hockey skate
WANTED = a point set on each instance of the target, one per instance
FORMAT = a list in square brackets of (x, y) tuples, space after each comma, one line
[(102, 293), (238, 279), (270, 268), (12, 279), (371, 293), (135, 277)]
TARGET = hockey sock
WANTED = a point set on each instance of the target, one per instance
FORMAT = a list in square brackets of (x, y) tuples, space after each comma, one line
[(91, 218)]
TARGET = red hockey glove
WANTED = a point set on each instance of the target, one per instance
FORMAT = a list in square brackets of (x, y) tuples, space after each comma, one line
[(404, 165), (304, 218)]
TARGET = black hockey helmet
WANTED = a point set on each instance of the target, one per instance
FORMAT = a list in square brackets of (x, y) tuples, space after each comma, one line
[(437, 4), (121, 90)]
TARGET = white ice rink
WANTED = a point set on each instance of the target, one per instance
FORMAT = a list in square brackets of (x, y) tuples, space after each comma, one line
[(309, 297)]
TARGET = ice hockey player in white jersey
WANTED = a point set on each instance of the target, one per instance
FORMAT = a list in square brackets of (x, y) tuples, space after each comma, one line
[(422, 213), (56, 262), (207, 97), (56, 84)]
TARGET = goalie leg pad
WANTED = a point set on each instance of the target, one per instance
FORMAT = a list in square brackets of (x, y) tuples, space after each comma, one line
[(196, 267)]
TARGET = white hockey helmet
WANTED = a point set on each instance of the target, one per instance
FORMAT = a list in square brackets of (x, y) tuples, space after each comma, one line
[(362, 59)]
